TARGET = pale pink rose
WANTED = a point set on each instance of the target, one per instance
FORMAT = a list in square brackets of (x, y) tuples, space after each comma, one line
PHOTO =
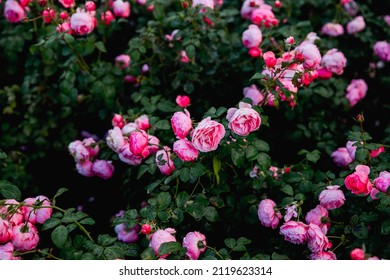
[(164, 162), (294, 232), (181, 124), (255, 172), (185, 150), (183, 101), (263, 16), (13, 12), (207, 135), (142, 122), (356, 91), (332, 29), (267, 215), (358, 182), (318, 216), (204, 3), (78, 151), (5, 231), (138, 141), (171, 36), (324, 74), (37, 215), (126, 234), (334, 61), (377, 152), (386, 18), (351, 148), (253, 94), (373, 193), (247, 8), (252, 37), (103, 169), (289, 40), (14, 215), (317, 241), (274, 171), (159, 237), (64, 27), (128, 157), (121, 9), (291, 211), (128, 128), (183, 57), (90, 6), (382, 50), (351, 7), (328, 255), (218, 2), (67, 3), (82, 22), (195, 243), (244, 120), (122, 61), (115, 139), (357, 254), (6, 252), (356, 25), (382, 182), (25, 237), (91, 146), (269, 59), (332, 198), (153, 144), (141, 2), (312, 37), (311, 55), (85, 168), (341, 157), (107, 17)]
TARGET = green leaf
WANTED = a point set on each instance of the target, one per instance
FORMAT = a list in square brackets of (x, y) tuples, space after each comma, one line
[(287, 189), (51, 223), (106, 240), (243, 241), (163, 124), (251, 153), (237, 157), (59, 192), (261, 145), (385, 227), (68, 38), (196, 210), (142, 170), (163, 200), (9, 191), (211, 214), (188, 87), (87, 221), (216, 168), (168, 248), (59, 236), (230, 243), (257, 76), (182, 199), (185, 174), (313, 156), (264, 160), (113, 252), (190, 50), (276, 256), (361, 154), (100, 46)]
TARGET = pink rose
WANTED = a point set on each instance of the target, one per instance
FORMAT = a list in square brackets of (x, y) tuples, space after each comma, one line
[(351, 148), (294, 232), (141, 2), (332, 29), (382, 50), (91, 146), (90, 6), (126, 234), (269, 59), (107, 17), (13, 214), (244, 120), (289, 40), (142, 122), (122, 61), (37, 215), (67, 3), (13, 12), (48, 15), (5, 231), (183, 57), (332, 198), (159, 237), (115, 139), (183, 101), (207, 135), (25, 237), (128, 157), (82, 23), (103, 169), (252, 37), (334, 61), (204, 3), (6, 252), (78, 151), (377, 152), (128, 128), (356, 91), (181, 124), (247, 8), (318, 216), (253, 94), (356, 25), (328, 255), (185, 150), (267, 215), (358, 182), (85, 168), (121, 9), (316, 239), (291, 211), (164, 162), (195, 243), (357, 254), (311, 37), (386, 18), (138, 141), (263, 16), (311, 55), (324, 74), (341, 157), (153, 144), (351, 7), (382, 182)]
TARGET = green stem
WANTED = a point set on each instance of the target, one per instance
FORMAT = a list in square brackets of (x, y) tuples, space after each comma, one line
[(215, 251)]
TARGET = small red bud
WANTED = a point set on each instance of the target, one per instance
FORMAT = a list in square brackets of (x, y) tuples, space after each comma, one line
[(360, 118), (278, 4), (146, 228), (184, 5), (252, 4)]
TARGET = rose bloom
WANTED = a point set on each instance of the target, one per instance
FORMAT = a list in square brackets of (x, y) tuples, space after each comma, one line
[(356, 91), (121, 9), (377, 152), (67, 3), (5, 231), (267, 215), (252, 37), (263, 16), (115, 139), (204, 3), (351, 148), (357, 254), (316, 215), (181, 124), (185, 150), (91, 146), (324, 74), (332, 198), (78, 151), (122, 61), (356, 25), (195, 243), (253, 94), (142, 122), (294, 232), (128, 157), (138, 141), (382, 50), (358, 182), (328, 255), (107, 17), (14, 217), (382, 182), (183, 101), (334, 61), (82, 23), (164, 162), (207, 135), (126, 234), (247, 8), (159, 237), (244, 120), (13, 12), (103, 169), (269, 59), (25, 237), (85, 168), (6, 252), (316, 239), (311, 54), (128, 128), (332, 29), (37, 215)]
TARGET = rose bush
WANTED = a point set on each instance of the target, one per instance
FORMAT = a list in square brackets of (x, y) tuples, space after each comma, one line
[(204, 129)]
